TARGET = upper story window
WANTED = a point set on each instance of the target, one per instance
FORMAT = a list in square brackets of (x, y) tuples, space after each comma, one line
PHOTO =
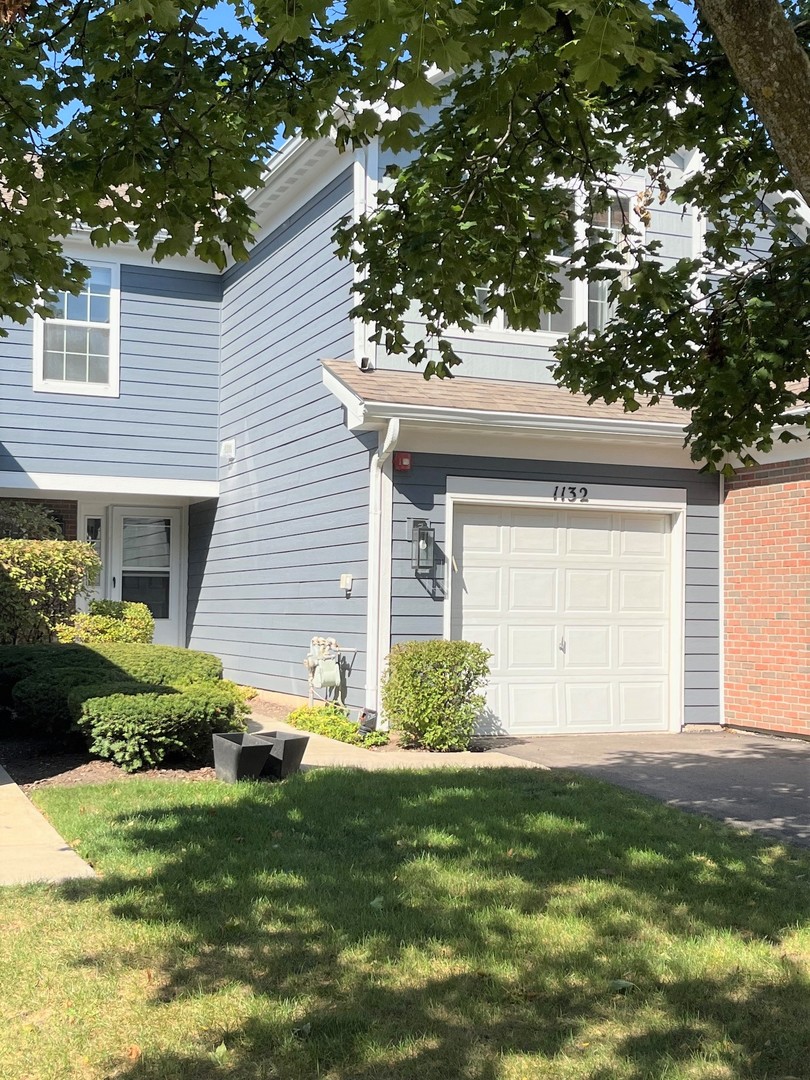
[(611, 220), (580, 301), (76, 351)]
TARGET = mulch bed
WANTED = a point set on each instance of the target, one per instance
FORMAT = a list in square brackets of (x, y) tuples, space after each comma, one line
[(36, 763)]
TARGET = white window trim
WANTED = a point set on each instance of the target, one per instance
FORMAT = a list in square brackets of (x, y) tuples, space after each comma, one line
[(497, 328), (614, 498), (112, 388)]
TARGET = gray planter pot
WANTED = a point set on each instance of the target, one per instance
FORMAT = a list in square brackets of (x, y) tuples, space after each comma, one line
[(272, 754), (286, 754)]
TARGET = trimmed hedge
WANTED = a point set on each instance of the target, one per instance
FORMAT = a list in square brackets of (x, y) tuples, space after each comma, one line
[(332, 721), (431, 691), (36, 680), (111, 660), (109, 620), (142, 730)]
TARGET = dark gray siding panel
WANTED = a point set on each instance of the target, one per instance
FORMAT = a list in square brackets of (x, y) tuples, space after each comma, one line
[(163, 424), (417, 607), (293, 509)]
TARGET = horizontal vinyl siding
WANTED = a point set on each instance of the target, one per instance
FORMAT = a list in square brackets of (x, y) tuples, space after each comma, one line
[(293, 510), (164, 422), (417, 609)]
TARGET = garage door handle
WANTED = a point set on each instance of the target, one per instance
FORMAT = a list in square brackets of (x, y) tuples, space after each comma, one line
[(562, 645)]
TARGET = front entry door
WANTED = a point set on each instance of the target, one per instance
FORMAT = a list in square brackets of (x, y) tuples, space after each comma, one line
[(145, 566)]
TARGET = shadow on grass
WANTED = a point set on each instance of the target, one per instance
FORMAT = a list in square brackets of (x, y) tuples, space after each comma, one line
[(407, 925)]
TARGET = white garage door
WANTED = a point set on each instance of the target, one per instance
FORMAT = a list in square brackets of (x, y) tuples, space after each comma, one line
[(575, 607)]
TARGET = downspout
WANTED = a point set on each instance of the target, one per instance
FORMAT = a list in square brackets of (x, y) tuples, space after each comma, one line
[(377, 560)]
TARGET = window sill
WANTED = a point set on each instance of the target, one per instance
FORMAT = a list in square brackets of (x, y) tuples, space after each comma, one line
[(73, 389)]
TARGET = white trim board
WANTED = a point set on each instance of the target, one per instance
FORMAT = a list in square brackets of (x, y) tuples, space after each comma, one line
[(108, 485), (539, 494)]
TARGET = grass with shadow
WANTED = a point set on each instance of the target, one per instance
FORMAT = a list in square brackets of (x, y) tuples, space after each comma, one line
[(491, 925)]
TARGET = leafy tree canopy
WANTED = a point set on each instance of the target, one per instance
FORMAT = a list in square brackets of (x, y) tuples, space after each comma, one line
[(146, 120)]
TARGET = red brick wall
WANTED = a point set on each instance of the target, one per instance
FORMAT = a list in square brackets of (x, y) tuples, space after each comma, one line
[(767, 598), (65, 511)]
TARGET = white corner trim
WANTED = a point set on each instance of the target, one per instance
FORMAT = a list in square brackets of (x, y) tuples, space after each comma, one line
[(721, 524), (378, 619), (538, 494), (115, 485)]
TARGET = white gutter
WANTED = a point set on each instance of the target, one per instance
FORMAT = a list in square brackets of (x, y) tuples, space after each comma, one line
[(379, 563), (373, 412)]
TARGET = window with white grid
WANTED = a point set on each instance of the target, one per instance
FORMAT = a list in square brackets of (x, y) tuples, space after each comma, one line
[(76, 351)]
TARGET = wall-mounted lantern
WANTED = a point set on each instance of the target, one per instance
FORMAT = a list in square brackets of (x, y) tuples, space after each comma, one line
[(423, 540)]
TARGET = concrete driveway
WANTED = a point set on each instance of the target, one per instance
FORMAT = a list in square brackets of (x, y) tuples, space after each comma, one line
[(752, 781)]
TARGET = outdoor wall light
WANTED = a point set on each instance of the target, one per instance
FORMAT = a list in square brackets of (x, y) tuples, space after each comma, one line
[(423, 540)]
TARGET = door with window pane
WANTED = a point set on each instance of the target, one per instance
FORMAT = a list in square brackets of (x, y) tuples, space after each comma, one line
[(145, 568)]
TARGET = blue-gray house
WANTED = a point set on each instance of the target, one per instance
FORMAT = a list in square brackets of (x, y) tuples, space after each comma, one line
[(239, 449)]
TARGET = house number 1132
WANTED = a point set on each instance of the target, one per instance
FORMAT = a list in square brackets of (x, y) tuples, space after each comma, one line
[(569, 493)]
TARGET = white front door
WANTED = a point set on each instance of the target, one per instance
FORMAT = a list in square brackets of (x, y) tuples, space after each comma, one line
[(575, 608), (145, 566)]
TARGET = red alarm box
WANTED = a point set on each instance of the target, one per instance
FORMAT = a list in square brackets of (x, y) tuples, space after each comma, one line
[(402, 460)]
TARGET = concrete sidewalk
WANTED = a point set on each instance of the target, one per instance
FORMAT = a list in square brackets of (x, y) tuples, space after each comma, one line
[(323, 752), (31, 850)]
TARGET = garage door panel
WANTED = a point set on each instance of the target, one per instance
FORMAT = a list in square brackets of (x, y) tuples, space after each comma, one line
[(643, 536), (588, 706), (588, 590), (484, 534), (482, 587), (532, 647), (533, 590), (534, 534), (589, 534), (642, 705), (642, 590), (533, 708), (642, 646), (587, 647), (489, 637)]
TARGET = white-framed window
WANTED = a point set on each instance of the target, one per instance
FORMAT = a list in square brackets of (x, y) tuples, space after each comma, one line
[(611, 220), (580, 300), (77, 350)]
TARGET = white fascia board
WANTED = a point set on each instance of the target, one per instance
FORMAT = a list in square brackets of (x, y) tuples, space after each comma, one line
[(375, 413), (109, 485), (79, 246)]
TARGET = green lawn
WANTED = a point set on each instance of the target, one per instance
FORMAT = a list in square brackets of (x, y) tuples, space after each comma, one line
[(495, 925)]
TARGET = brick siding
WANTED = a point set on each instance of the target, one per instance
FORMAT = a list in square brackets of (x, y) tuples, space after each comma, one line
[(65, 511), (767, 598)]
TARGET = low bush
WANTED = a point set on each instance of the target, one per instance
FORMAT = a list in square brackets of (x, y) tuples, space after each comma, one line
[(143, 730), (21, 519), (39, 583), (431, 691), (109, 620), (333, 722), (40, 701), (37, 679)]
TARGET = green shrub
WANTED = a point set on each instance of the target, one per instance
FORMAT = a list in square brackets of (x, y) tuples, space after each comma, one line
[(21, 519), (143, 730), (333, 722), (109, 620), (431, 691), (40, 701), (39, 583), (37, 679)]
